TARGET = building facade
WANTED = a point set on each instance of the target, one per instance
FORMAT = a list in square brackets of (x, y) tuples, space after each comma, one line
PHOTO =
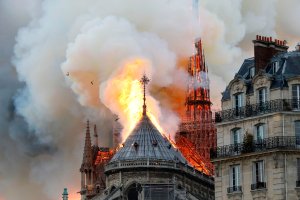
[(258, 129)]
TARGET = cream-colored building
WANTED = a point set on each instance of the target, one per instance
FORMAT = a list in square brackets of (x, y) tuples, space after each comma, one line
[(258, 129)]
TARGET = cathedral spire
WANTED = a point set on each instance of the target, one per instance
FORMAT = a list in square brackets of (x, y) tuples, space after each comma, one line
[(87, 153), (144, 80)]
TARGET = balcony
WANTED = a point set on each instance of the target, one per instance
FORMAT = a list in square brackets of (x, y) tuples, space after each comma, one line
[(267, 144), (258, 185), (252, 110), (234, 189)]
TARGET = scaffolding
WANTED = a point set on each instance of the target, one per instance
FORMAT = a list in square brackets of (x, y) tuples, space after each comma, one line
[(197, 132)]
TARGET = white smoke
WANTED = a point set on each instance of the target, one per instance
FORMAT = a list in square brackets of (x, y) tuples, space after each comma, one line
[(42, 115), (228, 28)]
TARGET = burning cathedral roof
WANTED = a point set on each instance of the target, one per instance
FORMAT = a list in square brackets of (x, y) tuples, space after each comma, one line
[(146, 143)]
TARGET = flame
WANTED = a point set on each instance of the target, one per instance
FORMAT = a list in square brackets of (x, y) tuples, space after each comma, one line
[(123, 94)]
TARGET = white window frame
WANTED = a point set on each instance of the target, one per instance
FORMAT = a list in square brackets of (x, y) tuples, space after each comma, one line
[(236, 133), (235, 176), (275, 67), (258, 172), (261, 99), (260, 131), (238, 100), (296, 97)]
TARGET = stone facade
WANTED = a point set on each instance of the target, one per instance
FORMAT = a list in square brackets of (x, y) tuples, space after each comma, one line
[(258, 153)]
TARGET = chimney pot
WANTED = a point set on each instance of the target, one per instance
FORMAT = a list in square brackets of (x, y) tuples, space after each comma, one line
[(271, 39), (256, 37)]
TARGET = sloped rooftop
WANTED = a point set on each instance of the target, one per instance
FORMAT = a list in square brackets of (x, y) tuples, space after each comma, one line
[(146, 143)]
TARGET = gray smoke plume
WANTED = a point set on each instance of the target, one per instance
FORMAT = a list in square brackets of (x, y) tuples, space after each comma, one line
[(42, 113)]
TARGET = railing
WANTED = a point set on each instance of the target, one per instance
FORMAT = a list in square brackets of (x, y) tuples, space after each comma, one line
[(234, 189), (297, 183), (258, 185), (257, 109), (158, 164), (278, 142)]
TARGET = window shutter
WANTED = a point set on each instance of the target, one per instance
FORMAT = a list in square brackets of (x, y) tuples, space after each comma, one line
[(261, 171), (253, 173), (238, 175), (231, 176), (298, 169)]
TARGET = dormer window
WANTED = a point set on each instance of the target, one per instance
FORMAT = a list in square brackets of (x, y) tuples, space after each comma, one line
[(252, 72), (275, 67)]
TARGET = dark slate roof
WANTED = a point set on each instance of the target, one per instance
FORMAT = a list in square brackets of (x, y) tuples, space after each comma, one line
[(226, 94), (292, 64), (146, 143), (244, 69), (289, 66)]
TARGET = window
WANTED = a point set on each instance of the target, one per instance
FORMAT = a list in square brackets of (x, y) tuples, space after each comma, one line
[(259, 132), (296, 96), (297, 132), (236, 136), (258, 179), (262, 98), (238, 103), (275, 67), (298, 173), (234, 178), (252, 72)]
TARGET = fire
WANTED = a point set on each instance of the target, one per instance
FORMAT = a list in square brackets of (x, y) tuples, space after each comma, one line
[(124, 96)]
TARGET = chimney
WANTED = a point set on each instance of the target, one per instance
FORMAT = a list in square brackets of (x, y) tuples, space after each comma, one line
[(264, 49), (298, 47)]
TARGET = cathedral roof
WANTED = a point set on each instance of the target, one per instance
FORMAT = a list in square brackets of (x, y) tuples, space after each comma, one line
[(146, 143)]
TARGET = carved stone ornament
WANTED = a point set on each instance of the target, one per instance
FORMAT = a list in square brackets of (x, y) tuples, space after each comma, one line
[(261, 82), (238, 87)]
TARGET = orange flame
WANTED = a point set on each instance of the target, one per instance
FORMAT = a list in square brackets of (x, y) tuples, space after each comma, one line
[(124, 96)]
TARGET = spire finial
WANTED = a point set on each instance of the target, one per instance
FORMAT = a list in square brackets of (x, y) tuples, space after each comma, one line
[(144, 80)]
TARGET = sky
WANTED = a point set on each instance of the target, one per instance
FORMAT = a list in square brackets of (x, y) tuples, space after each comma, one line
[(43, 111)]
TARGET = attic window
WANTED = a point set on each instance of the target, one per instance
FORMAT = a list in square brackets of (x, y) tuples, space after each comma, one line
[(136, 145), (252, 72), (154, 143), (275, 67)]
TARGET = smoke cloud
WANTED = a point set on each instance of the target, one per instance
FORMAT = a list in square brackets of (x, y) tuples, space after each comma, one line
[(58, 57)]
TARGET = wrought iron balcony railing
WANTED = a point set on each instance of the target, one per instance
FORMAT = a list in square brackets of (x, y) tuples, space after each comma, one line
[(257, 109), (278, 142), (258, 185), (234, 189)]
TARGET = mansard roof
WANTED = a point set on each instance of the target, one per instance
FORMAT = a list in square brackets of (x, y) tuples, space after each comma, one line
[(289, 67), (146, 143)]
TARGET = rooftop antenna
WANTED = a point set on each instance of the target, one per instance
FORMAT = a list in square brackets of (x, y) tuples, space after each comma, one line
[(144, 80)]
